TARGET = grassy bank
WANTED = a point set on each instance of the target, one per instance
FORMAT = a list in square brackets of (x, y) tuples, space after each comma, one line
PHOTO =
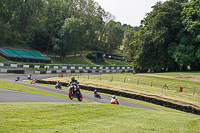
[(17, 87), (72, 60), (65, 117)]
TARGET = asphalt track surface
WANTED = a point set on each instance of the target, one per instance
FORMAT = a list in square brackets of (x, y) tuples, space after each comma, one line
[(16, 96)]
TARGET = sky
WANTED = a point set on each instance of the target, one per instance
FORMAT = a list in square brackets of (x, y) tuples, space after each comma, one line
[(129, 12)]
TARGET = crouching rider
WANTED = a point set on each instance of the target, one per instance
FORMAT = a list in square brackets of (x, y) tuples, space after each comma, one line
[(73, 81)]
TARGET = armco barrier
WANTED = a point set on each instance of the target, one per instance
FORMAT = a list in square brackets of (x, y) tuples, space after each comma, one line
[(68, 66), (81, 71), (187, 109)]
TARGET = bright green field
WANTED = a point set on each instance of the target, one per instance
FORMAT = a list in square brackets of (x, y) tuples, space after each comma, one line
[(67, 117)]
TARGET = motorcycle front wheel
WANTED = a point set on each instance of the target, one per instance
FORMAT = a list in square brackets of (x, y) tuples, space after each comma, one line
[(70, 94)]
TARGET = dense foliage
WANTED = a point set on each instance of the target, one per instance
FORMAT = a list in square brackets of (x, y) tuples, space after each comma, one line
[(59, 26), (168, 38)]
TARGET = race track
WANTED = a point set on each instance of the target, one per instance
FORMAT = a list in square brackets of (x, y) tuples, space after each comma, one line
[(15, 96)]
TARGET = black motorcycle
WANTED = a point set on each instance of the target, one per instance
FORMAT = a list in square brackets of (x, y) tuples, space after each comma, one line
[(17, 79), (29, 77), (58, 86), (97, 95)]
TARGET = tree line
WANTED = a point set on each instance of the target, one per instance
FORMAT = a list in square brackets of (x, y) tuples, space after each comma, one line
[(168, 38), (59, 26)]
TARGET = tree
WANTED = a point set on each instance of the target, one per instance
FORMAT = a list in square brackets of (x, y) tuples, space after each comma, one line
[(114, 36), (70, 36), (151, 44), (127, 42), (187, 52), (5, 34), (57, 12), (92, 16), (37, 22)]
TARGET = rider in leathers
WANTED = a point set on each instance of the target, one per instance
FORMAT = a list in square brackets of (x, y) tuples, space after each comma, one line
[(74, 81), (114, 98)]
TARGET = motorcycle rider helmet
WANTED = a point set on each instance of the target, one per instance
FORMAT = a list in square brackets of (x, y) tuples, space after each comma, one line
[(113, 96), (72, 78)]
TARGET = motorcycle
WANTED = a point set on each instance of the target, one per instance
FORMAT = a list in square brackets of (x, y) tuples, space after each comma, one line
[(29, 77), (17, 79), (74, 92), (114, 101), (97, 95), (58, 86)]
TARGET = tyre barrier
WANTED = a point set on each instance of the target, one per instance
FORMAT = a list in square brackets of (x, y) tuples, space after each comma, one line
[(188, 109), (17, 71)]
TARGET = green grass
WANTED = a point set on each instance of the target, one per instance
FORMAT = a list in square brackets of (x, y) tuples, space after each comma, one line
[(89, 117), (82, 60), (99, 118), (116, 62), (17, 87), (70, 60), (2, 59)]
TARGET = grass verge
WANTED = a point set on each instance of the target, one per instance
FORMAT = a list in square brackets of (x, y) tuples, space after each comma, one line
[(17, 87), (98, 118)]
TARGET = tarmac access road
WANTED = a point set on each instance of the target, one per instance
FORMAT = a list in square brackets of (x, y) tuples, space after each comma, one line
[(15, 96)]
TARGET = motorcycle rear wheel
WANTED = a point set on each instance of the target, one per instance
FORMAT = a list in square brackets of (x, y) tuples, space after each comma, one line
[(80, 97)]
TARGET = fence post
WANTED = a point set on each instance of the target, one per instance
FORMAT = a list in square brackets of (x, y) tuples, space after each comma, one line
[(124, 79), (151, 83), (194, 92), (100, 76), (111, 79), (138, 82)]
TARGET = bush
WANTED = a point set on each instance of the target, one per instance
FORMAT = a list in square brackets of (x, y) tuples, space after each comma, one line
[(91, 56)]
